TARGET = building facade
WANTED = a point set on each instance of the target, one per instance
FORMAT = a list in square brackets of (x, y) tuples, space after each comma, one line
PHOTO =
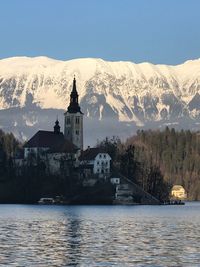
[(96, 160), (51, 148), (73, 128), (178, 192)]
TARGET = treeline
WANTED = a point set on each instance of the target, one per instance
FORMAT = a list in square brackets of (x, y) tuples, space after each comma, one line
[(157, 160), (175, 153), (8, 147), (125, 161), (28, 183)]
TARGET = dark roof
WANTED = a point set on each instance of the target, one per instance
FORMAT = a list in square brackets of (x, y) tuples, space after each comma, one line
[(45, 139), (55, 141), (90, 153), (66, 147)]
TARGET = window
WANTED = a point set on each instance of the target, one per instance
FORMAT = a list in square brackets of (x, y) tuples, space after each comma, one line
[(97, 162), (77, 132), (97, 170), (104, 156), (100, 155), (77, 120), (68, 121)]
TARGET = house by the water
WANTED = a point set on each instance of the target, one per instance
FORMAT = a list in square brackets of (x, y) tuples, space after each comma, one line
[(178, 192)]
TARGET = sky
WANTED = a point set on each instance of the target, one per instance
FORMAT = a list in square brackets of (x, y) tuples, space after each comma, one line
[(157, 31)]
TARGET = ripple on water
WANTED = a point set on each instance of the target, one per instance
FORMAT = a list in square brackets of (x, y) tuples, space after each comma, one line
[(100, 235)]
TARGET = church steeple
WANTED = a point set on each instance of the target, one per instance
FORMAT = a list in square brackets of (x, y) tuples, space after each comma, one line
[(56, 127), (73, 129), (74, 105)]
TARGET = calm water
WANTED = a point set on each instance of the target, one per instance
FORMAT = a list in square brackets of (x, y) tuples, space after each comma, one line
[(100, 235)]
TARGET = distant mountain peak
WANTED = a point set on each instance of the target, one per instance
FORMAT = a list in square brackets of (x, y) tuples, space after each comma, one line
[(124, 91)]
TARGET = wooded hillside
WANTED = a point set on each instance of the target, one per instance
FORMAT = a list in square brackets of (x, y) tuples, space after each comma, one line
[(177, 154)]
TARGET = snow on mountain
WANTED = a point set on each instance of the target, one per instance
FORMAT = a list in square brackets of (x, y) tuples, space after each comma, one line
[(123, 91)]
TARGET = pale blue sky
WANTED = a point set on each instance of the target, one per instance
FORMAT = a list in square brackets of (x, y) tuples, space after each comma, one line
[(159, 31)]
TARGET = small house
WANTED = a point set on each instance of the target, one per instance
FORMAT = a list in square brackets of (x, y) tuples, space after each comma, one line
[(178, 192), (95, 161), (115, 180)]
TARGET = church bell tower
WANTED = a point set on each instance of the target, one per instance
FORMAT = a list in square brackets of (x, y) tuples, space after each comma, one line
[(73, 129)]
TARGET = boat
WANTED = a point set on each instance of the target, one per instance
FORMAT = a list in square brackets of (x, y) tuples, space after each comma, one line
[(174, 202), (46, 201)]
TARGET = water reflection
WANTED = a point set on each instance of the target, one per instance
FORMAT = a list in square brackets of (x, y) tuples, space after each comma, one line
[(99, 236)]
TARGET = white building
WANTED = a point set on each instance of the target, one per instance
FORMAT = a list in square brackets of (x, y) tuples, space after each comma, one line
[(96, 160), (115, 180), (178, 191)]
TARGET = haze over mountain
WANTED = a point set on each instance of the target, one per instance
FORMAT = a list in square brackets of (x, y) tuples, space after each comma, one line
[(117, 98)]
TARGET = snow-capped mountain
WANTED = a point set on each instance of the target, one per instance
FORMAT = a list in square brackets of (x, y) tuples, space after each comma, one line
[(134, 94)]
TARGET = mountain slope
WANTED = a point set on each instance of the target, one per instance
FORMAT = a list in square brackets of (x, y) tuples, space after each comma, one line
[(139, 94)]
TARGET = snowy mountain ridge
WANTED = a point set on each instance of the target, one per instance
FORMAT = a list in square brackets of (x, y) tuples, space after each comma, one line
[(125, 91)]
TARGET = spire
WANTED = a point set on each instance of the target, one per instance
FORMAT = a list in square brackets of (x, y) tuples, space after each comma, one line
[(74, 105), (56, 127), (74, 85), (74, 94)]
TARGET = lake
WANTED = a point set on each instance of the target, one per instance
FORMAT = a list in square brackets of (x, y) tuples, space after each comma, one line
[(33, 235)]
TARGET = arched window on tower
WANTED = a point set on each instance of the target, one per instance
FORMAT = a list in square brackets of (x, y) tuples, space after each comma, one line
[(77, 120), (68, 121)]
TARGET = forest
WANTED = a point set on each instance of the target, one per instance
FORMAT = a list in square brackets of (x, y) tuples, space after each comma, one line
[(176, 154), (153, 159), (160, 159)]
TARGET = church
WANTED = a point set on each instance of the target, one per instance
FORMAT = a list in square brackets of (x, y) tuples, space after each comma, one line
[(73, 128), (54, 146), (57, 150)]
